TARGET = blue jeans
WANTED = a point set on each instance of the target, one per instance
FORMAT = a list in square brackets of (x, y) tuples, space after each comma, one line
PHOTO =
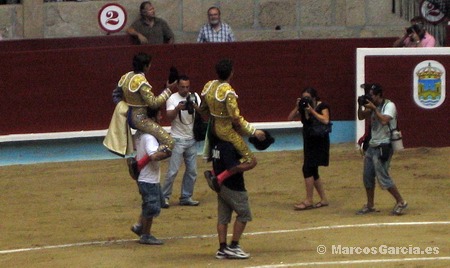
[(187, 150)]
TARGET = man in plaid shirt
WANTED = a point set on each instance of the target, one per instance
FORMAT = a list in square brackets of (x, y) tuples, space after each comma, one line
[(215, 31)]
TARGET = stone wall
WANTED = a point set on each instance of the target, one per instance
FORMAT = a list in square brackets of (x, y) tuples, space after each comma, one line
[(250, 19)]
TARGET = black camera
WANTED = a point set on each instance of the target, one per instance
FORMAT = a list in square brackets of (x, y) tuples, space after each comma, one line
[(304, 103), (409, 30), (364, 99), (189, 104)]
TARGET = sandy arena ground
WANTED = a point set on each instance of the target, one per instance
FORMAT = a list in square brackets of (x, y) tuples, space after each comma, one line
[(78, 214)]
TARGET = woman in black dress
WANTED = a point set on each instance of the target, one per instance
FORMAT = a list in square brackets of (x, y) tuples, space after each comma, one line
[(316, 149)]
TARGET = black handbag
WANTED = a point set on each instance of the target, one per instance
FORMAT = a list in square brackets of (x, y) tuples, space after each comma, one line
[(385, 151), (318, 129)]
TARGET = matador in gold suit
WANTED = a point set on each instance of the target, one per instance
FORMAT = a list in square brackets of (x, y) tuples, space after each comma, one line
[(227, 123), (138, 95)]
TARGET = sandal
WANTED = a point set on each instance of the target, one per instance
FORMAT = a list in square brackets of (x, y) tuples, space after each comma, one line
[(366, 210), (320, 205), (303, 206)]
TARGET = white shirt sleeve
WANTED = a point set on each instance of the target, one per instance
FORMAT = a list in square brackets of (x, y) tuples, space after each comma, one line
[(170, 103), (390, 110)]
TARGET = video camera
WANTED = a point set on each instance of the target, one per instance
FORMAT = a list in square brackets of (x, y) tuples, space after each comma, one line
[(304, 103)]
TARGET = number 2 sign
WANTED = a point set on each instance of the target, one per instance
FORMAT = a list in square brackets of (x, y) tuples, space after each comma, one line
[(112, 18)]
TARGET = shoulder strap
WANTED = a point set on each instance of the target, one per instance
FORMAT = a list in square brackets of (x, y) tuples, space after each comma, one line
[(193, 115), (386, 101)]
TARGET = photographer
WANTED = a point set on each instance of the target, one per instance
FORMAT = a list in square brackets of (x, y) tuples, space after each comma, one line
[(382, 113), (416, 35), (181, 108), (316, 149)]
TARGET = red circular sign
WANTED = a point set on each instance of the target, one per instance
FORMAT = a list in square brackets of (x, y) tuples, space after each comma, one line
[(431, 12), (112, 18)]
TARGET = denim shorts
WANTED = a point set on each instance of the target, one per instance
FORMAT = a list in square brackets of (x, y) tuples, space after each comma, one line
[(375, 168), (229, 201), (151, 199)]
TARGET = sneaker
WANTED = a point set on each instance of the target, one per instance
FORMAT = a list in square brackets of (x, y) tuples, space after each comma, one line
[(235, 253), (137, 229), (150, 240), (366, 210), (221, 255), (189, 202), (212, 181), (132, 168), (166, 203), (399, 207)]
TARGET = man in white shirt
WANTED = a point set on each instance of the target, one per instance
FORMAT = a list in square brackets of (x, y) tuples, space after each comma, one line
[(149, 183), (181, 113)]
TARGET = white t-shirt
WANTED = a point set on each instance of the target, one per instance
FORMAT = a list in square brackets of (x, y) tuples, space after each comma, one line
[(181, 129), (147, 144), (381, 134)]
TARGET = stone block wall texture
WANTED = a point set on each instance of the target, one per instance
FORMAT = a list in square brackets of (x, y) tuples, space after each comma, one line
[(251, 20)]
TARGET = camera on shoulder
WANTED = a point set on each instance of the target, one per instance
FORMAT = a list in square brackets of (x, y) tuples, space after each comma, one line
[(304, 103)]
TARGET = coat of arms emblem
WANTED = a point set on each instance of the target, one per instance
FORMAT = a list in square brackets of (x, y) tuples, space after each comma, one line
[(429, 84)]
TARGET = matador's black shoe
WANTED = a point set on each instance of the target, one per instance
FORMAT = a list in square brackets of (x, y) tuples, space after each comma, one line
[(132, 168), (212, 181)]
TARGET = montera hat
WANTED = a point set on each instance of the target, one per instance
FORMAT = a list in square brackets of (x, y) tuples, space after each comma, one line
[(262, 145)]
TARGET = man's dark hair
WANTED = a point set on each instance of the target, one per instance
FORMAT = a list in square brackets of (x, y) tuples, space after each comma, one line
[(224, 68), (213, 7), (376, 90), (142, 7), (183, 77), (140, 61)]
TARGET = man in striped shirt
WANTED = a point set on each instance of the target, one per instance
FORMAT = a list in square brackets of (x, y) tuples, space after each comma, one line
[(215, 31)]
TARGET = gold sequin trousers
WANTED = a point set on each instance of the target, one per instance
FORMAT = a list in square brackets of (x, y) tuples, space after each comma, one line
[(224, 130), (142, 122)]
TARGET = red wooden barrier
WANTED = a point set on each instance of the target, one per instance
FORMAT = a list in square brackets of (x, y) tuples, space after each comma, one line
[(68, 42), (69, 89)]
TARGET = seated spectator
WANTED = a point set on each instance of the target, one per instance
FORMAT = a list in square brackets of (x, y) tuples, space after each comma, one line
[(149, 29), (215, 30), (416, 35)]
